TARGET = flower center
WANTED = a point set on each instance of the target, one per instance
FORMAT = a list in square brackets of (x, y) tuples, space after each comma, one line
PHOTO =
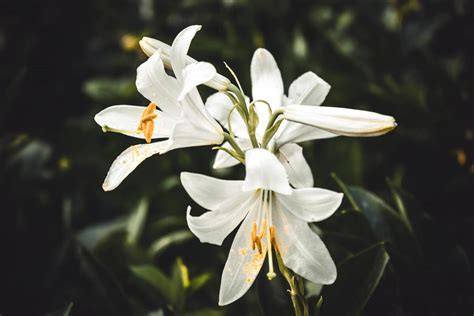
[(266, 229), (147, 125)]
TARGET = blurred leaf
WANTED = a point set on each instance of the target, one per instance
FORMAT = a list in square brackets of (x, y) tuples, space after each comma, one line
[(155, 278), (317, 309), (137, 221), (358, 276), (386, 223), (205, 312), (104, 283), (107, 89), (178, 280), (64, 311), (350, 228), (199, 281), (156, 313), (91, 235), (164, 225), (163, 243)]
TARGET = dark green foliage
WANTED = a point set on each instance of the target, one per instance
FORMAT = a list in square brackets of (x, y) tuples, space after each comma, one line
[(70, 248)]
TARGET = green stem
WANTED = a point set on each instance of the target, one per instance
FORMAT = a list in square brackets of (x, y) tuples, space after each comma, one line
[(243, 106), (300, 304), (273, 118), (234, 145)]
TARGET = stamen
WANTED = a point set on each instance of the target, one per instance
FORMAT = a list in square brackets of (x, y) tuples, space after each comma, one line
[(273, 238), (147, 125), (253, 235), (271, 273)]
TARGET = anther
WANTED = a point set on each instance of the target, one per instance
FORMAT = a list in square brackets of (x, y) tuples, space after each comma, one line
[(253, 235), (146, 125)]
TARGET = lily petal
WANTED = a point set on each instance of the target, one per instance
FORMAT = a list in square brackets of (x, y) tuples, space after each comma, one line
[(155, 85), (267, 83), (243, 264), (299, 172), (125, 119), (194, 75), (214, 226), (224, 160), (219, 106), (190, 133), (311, 204), (308, 89), (264, 171), (301, 249), (209, 192), (128, 160), (341, 121), (292, 132), (180, 47), (150, 46)]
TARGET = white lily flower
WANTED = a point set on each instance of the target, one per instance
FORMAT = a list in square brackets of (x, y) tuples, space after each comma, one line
[(267, 85), (150, 46), (273, 214), (182, 120), (305, 119)]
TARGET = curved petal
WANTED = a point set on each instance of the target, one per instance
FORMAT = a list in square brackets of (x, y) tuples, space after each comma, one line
[(308, 89), (299, 172), (264, 171), (128, 160), (187, 134), (267, 83), (155, 85), (341, 121), (301, 249), (219, 106), (151, 45), (180, 47), (214, 226), (194, 75), (292, 132), (224, 160), (311, 204), (125, 119), (243, 264), (209, 192)]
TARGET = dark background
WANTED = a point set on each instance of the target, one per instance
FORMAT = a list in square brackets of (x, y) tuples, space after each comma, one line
[(64, 61)]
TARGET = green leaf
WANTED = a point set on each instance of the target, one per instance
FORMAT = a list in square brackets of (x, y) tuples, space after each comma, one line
[(350, 228), (205, 312), (358, 276), (64, 311), (386, 223), (317, 309), (179, 280), (199, 281), (173, 238), (137, 221), (154, 277)]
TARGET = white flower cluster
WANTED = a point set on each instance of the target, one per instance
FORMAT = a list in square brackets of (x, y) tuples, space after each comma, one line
[(276, 200)]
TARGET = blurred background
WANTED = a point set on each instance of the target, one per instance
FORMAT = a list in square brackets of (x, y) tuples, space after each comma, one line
[(68, 248)]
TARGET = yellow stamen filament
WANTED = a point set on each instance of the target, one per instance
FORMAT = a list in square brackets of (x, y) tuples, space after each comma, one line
[(147, 125)]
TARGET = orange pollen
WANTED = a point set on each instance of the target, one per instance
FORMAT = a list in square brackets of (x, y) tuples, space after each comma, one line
[(147, 125)]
